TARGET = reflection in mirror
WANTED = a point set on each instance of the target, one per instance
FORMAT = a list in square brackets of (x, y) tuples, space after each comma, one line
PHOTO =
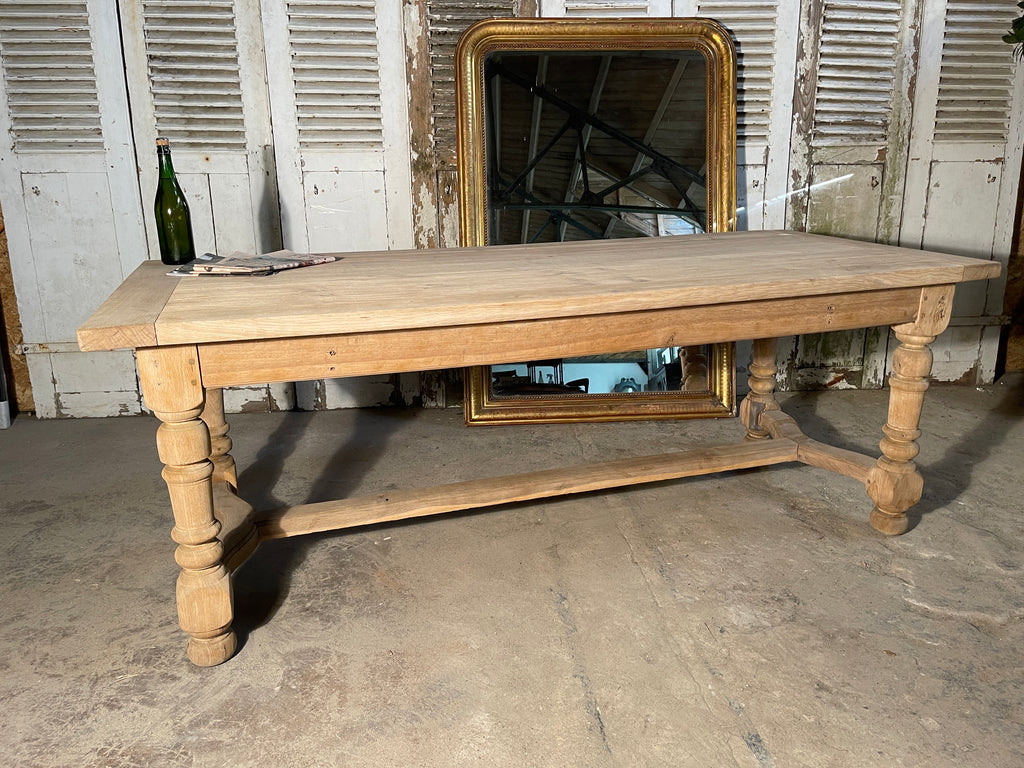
[(580, 130), (652, 370), (587, 146), (595, 145)]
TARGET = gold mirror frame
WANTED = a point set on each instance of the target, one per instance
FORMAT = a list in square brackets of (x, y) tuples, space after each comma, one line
[(715, 395)]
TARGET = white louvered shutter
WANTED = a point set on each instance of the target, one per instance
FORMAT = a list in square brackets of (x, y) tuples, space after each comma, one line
[(852, 118), (975, 83), (764, 32), (967, 131), (196, 75), (753, 27), (849, 150), (335, 65), (912, 131), (70, 199), (50, 78), (856, 71), (616, 8), (964, 169), (339, 97), (194, 82)]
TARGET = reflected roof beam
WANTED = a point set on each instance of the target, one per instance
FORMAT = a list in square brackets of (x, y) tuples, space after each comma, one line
[(596, 93), (655, 124), (538, 108)]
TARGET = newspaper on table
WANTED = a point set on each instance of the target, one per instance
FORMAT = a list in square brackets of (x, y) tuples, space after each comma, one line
[(240, 263)]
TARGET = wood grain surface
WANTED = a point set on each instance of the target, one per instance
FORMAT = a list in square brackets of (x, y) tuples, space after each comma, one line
[(395, 290)]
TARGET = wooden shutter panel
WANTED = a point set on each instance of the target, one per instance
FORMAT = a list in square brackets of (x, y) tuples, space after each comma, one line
[(339, 100), (446, 21), (975, 79), (191, 53), (50, 78), (856, 71), (196, 74), (72, 221), (336, 73), (753, 26), (849, 154)]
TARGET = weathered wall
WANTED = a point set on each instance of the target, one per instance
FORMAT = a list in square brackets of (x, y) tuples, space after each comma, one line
[(815, 152)]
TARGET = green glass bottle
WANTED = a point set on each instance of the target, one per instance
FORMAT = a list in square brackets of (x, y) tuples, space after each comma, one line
[(173, 222)]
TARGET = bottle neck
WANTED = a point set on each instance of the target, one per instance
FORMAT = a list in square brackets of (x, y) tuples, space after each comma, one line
[(164, 157)]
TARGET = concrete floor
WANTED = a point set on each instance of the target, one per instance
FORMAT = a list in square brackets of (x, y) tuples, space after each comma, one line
[(746, 619)]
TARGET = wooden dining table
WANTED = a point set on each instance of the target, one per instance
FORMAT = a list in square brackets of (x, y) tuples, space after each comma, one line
[(418, 310)]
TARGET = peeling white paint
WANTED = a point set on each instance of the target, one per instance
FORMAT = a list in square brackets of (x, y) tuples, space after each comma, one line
[(414, 32)]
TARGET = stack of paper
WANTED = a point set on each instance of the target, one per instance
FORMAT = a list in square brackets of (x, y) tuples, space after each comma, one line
[(239, 263)]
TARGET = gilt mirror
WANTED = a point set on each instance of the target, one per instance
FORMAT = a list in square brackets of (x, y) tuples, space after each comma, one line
[(590, 129)]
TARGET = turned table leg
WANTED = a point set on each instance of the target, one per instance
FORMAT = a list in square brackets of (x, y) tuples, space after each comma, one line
[(695, 369), (220, 443), (894, 483), (172, 388), (761, 381)]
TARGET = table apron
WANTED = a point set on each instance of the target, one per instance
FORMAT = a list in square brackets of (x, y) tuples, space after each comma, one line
[(357, 354)]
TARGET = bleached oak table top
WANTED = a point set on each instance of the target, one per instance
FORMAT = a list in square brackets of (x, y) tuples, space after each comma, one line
[(392, 290)]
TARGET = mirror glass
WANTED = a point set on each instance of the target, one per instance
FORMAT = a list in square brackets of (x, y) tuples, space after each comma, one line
[(587, 130), (577, 151)]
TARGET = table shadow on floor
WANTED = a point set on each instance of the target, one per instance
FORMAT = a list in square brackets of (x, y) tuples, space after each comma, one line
[(947, 478), (262, 583)]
